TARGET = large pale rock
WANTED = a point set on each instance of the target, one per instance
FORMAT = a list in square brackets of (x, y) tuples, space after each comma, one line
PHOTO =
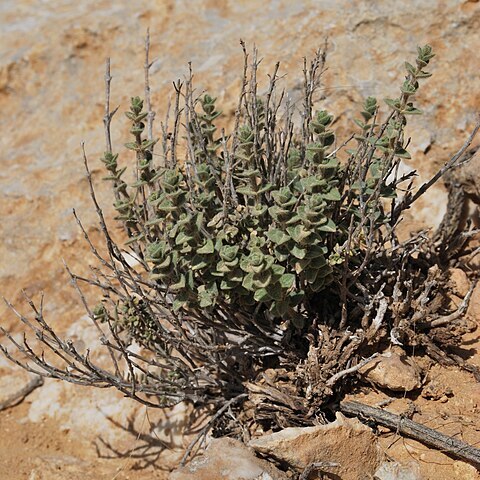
[(228, 459), (393, 371), (346, 442)]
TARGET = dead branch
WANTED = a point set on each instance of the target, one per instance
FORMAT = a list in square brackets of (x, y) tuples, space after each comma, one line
[(335, 378), (414, 430), (446, 319), (107, 118), (146, 67)]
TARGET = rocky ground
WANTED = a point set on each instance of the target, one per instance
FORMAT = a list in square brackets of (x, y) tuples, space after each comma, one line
[(51, 98)]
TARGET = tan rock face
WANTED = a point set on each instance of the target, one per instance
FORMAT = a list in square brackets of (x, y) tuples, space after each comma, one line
[(465, 471), (393, 371), (346, 442), (228, 459), (51, 98)]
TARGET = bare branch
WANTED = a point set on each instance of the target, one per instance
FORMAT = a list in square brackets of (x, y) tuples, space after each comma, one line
[(107, 118), (146, 68)]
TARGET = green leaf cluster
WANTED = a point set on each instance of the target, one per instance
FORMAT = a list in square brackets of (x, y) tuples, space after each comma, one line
[(244, 225)]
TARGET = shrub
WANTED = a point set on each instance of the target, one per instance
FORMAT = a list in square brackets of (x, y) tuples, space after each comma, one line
[(272, 247)]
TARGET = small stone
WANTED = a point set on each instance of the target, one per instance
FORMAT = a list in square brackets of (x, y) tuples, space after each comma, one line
[(459, 282), (474, 304), (228, 459), (392, 371), (435, 390), (346, 442)]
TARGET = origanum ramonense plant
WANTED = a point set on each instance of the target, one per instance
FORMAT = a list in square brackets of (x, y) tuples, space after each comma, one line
[(266, 255)]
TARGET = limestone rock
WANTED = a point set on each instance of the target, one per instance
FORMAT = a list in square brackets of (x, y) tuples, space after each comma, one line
[(228, 459), (423, 140), (393, 371), (11, 383), (397, 471), (346, 442)]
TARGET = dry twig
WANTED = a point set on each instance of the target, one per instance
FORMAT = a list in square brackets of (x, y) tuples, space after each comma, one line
[(335, 378)]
